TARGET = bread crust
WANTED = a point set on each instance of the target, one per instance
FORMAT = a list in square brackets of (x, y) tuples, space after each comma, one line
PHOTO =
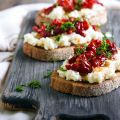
[(95, 20), (84, 89), (48, 55)]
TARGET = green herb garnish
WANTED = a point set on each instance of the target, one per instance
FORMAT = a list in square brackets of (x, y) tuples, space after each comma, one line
[(67, 26), (81, 49), (104, 48), (78, 5), (20, 88), (49, 73), (34, 84), (108, 54), (49, 27), (79, 1), (58, 38), (62, 69), (77, 20)]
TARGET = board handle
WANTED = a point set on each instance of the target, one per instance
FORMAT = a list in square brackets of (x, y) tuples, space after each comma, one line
[(85, 117)]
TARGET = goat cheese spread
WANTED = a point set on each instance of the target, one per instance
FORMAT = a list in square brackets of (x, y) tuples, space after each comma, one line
[(49, 43), (59, 13)]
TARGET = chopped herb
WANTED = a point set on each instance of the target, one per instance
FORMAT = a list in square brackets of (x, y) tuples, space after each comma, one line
[(77, 20), (79, 1), (19, 88), (34, 84), (62, 69), (45, 23), (49, 27), (104, 49), (58, 38), (49, 73), (78, 5), (67, 25), (108, 54), (81, 49), (105, 45), (98, 51)]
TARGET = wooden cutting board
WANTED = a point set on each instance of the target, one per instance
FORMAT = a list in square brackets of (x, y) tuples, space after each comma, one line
[(47, 101)]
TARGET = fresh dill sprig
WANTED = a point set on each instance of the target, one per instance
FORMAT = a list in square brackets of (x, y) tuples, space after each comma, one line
[(48, 74), (80, 49), (67, 25), (104, 48), (62, 69), (58, 38), (34, 84), (19, 88), (80, 1), (49, 27)]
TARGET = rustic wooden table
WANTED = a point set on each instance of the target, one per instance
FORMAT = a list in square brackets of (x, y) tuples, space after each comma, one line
[(10, 3)]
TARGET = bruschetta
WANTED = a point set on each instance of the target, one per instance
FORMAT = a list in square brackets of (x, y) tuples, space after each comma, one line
[(92, 10), (56, 41), (92, 71)]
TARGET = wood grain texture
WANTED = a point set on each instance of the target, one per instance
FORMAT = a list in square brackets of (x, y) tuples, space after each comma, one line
[(47, 101)]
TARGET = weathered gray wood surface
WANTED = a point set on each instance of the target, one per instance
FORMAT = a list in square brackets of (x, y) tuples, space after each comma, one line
[(49, 102)]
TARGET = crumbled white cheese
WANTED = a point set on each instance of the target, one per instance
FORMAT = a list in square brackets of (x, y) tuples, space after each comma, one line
[(108, 35), (64, 64), (62, 73), (64, 40), (111, 68), (72, 75), (77, 39), (97, 35), (92, 34), (48, 43), (98, 75), (29, 38), (98, 8), (57, 13), (95, 77), (118, 65), (89, 13), (74, 14), (110, 73)]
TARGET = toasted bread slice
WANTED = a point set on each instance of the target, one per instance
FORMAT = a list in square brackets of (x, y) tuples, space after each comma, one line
[(84, 89), (48, 55), (94, 20)]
